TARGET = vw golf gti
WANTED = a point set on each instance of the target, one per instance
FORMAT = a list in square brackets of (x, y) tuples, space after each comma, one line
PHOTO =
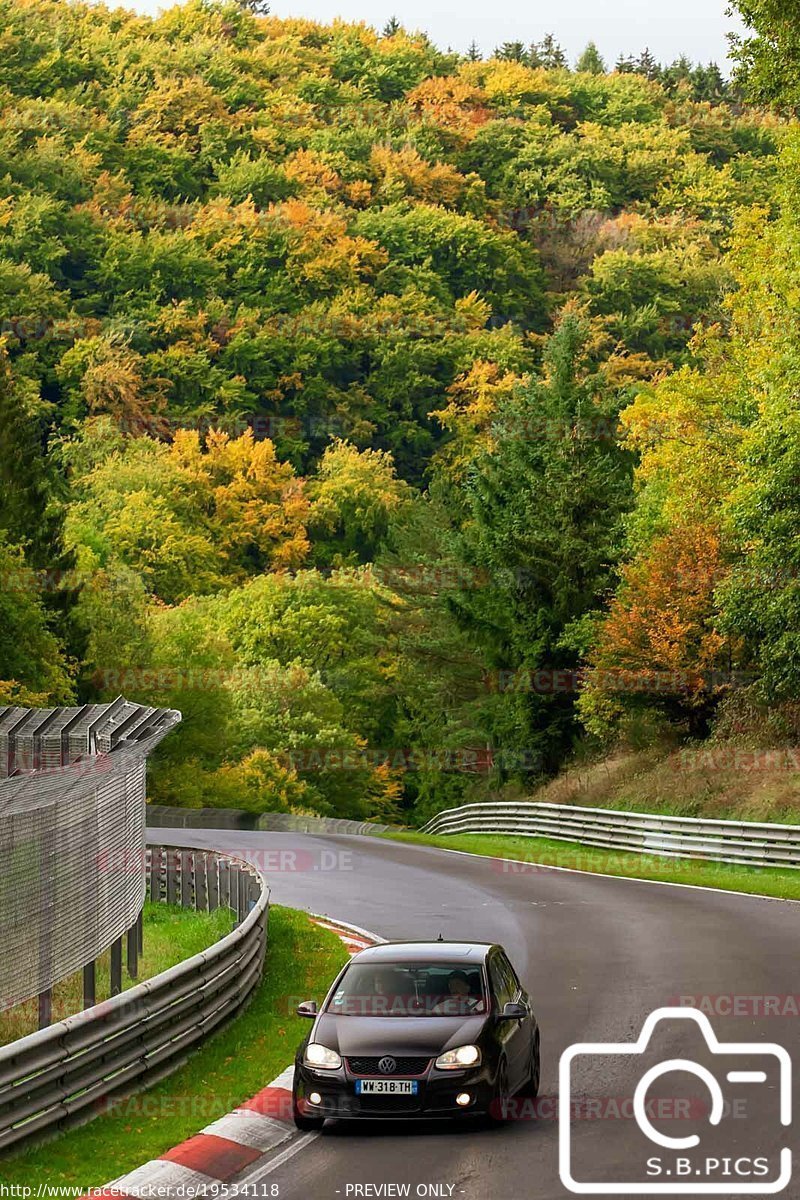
[(418, 1029)]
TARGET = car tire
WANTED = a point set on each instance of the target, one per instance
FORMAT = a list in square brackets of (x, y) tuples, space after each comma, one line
[(530, 1089), (303, 1123), (498, 1110)]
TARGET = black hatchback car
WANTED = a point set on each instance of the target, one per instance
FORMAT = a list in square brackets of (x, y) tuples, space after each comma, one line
[(418, 1029)]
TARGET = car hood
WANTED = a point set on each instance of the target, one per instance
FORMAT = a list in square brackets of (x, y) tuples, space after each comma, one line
[(399, 1035)]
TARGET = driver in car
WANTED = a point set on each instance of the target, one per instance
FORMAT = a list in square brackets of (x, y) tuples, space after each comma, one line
[(460, 1000)]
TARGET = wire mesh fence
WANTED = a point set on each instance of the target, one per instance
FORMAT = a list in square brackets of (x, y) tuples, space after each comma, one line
[(70, 1072), (72, 836)]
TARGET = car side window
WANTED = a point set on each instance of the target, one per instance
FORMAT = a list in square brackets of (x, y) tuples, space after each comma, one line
[(511, 976), (501, 989)]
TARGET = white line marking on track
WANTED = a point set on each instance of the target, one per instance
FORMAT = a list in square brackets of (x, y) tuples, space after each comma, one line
[(262, 1171), (336, 923), (695, 887)]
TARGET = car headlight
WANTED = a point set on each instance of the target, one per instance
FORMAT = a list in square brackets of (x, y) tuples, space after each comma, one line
[(320, 1056), (462, 1056)]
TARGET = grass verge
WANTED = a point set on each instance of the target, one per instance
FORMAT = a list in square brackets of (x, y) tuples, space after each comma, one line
[(234, 1064), (720, 780), (171, 934), (762, 881)]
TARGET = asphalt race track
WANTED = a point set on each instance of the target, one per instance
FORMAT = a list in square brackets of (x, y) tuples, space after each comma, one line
[(597, 955)]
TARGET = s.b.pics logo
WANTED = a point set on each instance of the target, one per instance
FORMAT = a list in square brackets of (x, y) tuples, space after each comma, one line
[(694, 1115)]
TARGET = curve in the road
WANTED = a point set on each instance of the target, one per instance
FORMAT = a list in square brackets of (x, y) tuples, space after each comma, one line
[(598, 954)]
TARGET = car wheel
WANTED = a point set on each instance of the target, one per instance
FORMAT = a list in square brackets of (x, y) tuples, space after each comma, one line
[(498, 1110), (303, 1123), (530, 1089)]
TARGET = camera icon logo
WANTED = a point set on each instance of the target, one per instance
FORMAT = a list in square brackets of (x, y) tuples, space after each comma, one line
[(735, 1079)]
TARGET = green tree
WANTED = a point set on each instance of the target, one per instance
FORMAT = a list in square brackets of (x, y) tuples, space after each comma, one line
[(542, 525), (186, 516), (768, 57), (551, 53), (354, 497), (709, 84), (647, 64), (33, 667), (329, 624), (762, 597), (26, 489), (512, 52), (296, 667), (678, 74), (464, 255), (591, 61), (761, 600)]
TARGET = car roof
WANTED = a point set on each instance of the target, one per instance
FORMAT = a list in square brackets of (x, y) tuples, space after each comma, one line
[(443, 952)]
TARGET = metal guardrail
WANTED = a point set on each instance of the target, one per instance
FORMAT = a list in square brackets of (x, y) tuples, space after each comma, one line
[(160, 816), (747, 843), (290, 823), (175, 816), (67, 1072)]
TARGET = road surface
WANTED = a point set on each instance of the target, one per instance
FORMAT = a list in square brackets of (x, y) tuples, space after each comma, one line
[(598, 955)]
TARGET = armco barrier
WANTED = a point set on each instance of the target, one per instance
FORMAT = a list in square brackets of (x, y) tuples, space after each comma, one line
[(67, 1072), (161, 816), (288, 822), (745, 842), (174, 816)]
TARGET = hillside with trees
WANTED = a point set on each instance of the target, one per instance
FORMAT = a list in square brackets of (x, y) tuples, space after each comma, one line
[(412, 421)]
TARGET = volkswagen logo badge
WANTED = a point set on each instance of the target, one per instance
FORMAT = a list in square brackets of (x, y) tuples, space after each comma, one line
[(387, 1065)]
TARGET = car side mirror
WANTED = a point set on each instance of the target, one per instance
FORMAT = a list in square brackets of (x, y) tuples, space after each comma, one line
[(513, 1011), (307, 1009)]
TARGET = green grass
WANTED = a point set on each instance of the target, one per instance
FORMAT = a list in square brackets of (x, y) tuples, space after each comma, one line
[(762, 881), (233, 1065), (720, 780), (171, 934)]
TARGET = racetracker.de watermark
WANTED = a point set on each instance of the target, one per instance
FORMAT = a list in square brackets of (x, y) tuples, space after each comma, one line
[(740, 1004), (285, 860)]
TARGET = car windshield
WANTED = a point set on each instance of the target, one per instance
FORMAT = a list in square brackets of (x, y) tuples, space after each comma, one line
[(409, 989)]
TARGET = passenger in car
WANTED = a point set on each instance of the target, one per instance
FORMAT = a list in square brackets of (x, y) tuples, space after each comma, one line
[(459, 1000)]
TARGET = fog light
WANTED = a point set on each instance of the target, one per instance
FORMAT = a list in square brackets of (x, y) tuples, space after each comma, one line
[(463, 1098), (314, 1098)]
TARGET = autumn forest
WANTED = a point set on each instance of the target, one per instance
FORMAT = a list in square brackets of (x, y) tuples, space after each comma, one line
[(416, 423)]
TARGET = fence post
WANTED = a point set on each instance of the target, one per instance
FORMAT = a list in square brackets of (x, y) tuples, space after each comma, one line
[(45, 1008), (187, 862), (241, 900), (116, 967), (172, 880), (133, 950), (201, 882), (212, 881), (90, 985), (155, 861)]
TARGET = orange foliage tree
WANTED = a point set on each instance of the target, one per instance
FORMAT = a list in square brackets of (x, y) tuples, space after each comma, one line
[(659, 645)]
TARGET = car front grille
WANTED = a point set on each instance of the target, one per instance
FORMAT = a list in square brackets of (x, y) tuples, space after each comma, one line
[(406, 1064)]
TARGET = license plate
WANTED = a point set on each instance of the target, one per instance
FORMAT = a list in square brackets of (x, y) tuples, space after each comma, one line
[(386, 1087)]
